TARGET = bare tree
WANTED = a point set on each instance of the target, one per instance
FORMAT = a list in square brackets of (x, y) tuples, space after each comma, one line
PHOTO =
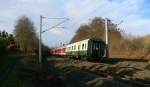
[(96, 29), (25, 35)]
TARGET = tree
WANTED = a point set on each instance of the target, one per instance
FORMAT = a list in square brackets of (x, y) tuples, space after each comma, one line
[(3, 44), (96, 29), (3, 34), (82, 33), (25, 35), (0, 34), (146, 42)]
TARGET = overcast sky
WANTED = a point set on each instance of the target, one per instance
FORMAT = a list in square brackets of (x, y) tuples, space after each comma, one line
[(135, 15)]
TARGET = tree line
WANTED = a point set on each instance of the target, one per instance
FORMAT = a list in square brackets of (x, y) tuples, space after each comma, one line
[(7, 42), (5, 34), (118, 40), (24, 38), (96, 29)]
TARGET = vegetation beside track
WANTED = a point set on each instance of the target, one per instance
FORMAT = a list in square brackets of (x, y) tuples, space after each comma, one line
[(20, 74), (27, 72), (65, 73), (6, 66)]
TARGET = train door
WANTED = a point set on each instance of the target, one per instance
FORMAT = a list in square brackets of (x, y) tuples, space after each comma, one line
[(95, 49)]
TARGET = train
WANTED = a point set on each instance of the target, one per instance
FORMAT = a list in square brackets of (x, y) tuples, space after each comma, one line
[(91, 48)]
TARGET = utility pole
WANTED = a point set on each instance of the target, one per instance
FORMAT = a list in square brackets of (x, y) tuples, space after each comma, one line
[(106, 38), (40, 36), (42, 31)]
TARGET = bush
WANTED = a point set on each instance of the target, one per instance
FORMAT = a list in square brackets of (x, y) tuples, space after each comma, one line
[(3, 44)]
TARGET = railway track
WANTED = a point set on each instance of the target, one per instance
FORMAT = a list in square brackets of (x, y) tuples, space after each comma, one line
[(119, 79), (106, 75), (115, 78)]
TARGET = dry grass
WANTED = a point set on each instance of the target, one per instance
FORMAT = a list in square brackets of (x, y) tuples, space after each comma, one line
[(144, 54), (127, 70)]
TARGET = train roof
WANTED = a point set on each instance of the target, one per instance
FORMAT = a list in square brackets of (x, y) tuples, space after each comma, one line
[(59, 47), (97, 39), (93, 39)]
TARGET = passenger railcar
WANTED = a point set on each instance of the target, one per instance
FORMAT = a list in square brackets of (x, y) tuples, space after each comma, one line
[(88, 48), (61, 51)]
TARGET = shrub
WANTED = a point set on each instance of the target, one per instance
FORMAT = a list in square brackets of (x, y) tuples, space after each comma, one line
[(3, 44)]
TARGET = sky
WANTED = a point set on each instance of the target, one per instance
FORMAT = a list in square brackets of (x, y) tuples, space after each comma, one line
[(135, 15)]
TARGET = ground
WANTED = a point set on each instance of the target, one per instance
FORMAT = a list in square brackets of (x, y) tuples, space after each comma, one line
[(25, 71), (77, 73)]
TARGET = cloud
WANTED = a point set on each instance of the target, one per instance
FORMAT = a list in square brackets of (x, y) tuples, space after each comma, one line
[(1, 28), (56, 36), (78, 10), (127, 10), (132, 12), (136, 25)]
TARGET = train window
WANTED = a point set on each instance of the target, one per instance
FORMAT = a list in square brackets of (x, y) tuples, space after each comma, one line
[(93, 46), (74, 47), (82, 46), (85, 45), (78, 47), (97, 46)]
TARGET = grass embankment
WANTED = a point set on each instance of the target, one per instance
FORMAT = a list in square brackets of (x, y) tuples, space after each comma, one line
[(20, 72), (7, 63), (28, 73)]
